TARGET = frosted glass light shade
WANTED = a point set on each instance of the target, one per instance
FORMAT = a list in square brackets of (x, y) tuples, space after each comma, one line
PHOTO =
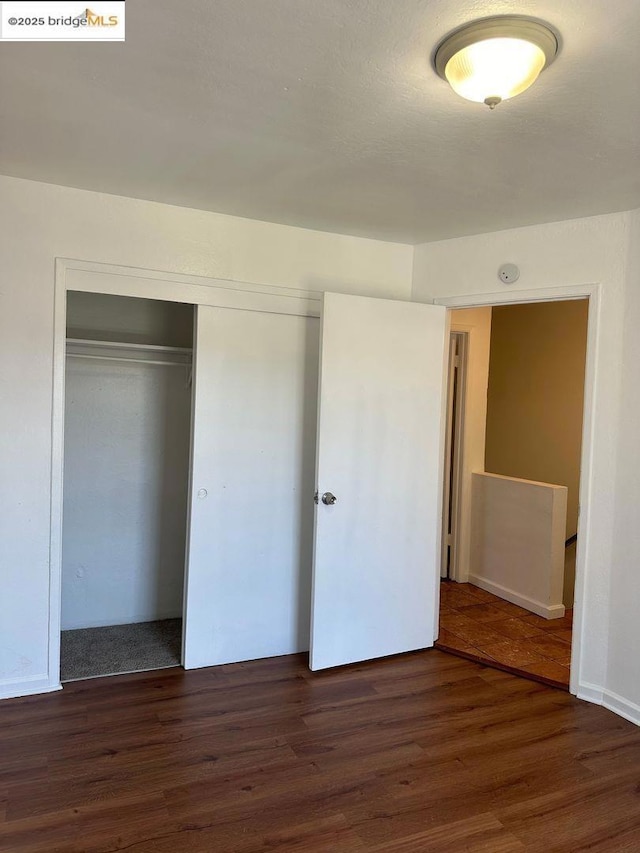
[(492, 60), (494, 68)]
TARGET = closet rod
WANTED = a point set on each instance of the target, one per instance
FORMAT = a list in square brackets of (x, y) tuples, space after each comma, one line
[(134, 360)]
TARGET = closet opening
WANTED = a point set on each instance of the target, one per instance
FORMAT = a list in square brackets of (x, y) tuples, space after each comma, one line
[(126, 483)]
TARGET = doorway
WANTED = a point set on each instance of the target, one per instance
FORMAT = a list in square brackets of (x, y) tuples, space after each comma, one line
[(494, 610), (126, 476)]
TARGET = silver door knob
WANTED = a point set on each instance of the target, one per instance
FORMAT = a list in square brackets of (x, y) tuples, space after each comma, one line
[(329, 499)]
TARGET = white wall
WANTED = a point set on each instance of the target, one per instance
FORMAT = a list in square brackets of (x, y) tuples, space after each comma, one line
[(39, 222), (476, 322), (126, 474), (517, 541), (624, 640), (577, 252)]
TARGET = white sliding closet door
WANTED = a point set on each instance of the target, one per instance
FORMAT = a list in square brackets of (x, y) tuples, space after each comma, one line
[(380, 431), (251, 523)]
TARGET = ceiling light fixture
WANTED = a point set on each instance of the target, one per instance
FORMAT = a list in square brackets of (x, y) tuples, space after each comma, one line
[(491, 60)]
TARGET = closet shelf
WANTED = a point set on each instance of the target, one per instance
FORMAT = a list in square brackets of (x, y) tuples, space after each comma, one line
[(129, 352)]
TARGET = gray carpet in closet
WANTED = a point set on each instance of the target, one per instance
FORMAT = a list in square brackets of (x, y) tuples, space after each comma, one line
[(89, 652)]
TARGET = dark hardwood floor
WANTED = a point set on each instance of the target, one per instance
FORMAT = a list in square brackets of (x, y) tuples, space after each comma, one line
[(423, 752)]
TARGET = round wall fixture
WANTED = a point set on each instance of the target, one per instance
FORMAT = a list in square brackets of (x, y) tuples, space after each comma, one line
[(491, 60)]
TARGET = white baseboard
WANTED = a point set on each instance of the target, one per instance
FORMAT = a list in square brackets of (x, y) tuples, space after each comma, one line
[(463, 577), (548, 611), (590, 693), (621, 706), (611, 701), (27, 686)]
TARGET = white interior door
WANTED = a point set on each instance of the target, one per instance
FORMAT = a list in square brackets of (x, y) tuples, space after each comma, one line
[(251, 521), (380, 439)]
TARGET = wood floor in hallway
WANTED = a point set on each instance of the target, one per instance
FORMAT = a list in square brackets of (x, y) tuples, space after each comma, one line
[(485, 628), (422, 752)]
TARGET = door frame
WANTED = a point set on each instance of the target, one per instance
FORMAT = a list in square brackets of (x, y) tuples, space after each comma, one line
[(454, 454), (116, 280), (591, 292)]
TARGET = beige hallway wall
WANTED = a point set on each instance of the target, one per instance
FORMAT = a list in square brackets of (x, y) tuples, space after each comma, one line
[(535, 397)]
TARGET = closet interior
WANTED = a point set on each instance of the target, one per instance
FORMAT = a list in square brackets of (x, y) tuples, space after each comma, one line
[(126, 480)]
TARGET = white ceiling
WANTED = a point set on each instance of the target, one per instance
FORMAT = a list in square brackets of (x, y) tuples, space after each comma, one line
[(327, 114)]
